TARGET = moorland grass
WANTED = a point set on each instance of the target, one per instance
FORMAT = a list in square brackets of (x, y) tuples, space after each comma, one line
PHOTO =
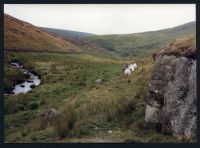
[(62, 75), (88, 109)]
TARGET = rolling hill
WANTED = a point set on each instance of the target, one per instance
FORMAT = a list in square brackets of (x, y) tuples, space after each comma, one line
[(77, 38), (20, 35), (67, 33), (141, 44)]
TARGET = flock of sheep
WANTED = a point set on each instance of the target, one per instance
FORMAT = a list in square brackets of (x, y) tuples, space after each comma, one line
[(128, 69)]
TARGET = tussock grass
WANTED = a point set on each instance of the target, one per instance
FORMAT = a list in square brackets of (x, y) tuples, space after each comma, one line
[(119, 104)]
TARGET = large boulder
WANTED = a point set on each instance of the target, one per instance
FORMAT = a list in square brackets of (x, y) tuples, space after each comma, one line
[(171, 101)]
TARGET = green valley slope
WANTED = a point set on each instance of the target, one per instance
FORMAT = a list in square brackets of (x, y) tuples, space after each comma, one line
[(77, 38), (140, 44)]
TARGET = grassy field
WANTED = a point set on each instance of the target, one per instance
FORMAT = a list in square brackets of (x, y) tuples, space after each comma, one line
[(112, 111)]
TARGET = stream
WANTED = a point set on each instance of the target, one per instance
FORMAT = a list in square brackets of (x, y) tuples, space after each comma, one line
[(27, 85)]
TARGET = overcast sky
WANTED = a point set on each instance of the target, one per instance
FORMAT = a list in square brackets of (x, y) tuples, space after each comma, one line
[(104, 19)]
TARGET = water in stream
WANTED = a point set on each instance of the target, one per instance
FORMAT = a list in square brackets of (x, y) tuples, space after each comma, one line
[(29, 84)]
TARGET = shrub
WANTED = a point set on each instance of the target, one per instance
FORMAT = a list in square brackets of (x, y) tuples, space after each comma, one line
[(33, 106), (81, 128), (64, 124), (43, 102), (82, 84), (21, 107)]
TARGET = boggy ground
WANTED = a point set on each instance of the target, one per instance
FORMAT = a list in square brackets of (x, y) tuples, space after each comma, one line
[(111, 111)]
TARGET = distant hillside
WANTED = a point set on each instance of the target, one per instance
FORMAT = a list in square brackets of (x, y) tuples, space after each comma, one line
[(77, 38), (20, 35), (67, 33), (141, 44)]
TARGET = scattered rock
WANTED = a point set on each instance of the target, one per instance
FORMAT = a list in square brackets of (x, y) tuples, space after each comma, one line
[(32, 86), (96, 128), (109, 132), (98, 81), (8, 91), (27, 76), (21, 80), (14, 61), (22, 86)]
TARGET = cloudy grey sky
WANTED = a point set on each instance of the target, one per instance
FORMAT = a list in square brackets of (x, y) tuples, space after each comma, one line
[(106, 18)]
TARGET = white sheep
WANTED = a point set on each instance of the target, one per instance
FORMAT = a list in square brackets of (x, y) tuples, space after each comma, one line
[(131, 67), (127, 72), (135, 65)]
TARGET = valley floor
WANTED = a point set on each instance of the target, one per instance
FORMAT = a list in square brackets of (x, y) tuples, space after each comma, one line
[(109, 111)]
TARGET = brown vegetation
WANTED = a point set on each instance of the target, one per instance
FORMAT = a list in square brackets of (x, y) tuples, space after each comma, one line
[(20, 35)]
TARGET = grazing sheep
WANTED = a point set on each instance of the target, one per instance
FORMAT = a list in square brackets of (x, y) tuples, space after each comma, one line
[(125, 66), (127, 72), (128, 69), (135, 65), (131, 67)]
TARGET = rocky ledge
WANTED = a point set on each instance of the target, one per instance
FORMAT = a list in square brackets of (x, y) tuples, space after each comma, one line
[(171, 101)]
